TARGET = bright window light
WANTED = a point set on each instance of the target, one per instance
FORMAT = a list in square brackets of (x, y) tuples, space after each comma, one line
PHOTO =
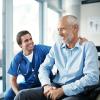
[(52, 21), (25, 17)]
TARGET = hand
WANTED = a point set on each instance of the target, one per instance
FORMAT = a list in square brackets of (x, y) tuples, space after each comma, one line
[(16, 92), (82, 40), (47, 88), (54, 94)]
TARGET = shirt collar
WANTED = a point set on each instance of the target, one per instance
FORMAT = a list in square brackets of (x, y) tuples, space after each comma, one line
[(77, 45)]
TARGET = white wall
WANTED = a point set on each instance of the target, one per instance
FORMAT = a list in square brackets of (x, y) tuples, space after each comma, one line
[(71, 7), (54, 3), (88, 12)]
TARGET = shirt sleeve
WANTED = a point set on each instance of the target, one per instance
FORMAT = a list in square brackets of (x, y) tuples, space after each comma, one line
[(13, 70), (45, 68), (90, 71)]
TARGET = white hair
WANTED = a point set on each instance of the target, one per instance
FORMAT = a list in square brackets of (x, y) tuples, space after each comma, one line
[(72, 20)]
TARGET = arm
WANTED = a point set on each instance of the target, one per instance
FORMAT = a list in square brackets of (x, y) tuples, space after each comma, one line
[(14, 85), (45, 49), (13, 71), (45, 68), (90, 71), (55, 94)]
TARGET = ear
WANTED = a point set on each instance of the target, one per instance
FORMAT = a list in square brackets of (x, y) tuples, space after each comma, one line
[(76, 28), (20, 46)]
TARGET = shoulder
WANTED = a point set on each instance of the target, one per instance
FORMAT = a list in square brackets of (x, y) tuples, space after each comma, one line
[(18, 56), (40, 46), (88, 44)]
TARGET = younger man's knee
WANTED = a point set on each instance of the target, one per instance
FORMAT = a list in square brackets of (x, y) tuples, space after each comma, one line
[(20, 95)]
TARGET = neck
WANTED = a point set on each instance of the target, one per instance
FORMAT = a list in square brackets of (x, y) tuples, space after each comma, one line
[(72, 43), (26, 53)]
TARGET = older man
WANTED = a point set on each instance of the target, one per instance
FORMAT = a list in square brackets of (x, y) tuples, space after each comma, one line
[(77, 66)]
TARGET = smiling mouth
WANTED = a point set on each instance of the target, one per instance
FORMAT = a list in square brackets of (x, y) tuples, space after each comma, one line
[(30, 45)]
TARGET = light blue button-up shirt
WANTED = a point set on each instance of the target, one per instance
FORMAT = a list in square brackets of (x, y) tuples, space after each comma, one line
[(77, 67)]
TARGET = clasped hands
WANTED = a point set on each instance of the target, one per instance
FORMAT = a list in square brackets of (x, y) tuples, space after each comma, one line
[(52, 92)]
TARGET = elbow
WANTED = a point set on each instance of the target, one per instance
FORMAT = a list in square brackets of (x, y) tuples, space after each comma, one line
[(95, 79), (13, 79)]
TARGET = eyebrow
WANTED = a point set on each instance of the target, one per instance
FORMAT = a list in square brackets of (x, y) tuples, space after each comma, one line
[(28, 39)]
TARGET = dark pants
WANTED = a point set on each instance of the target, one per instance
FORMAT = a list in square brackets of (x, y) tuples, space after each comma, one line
[(9, 95), (37, 94)]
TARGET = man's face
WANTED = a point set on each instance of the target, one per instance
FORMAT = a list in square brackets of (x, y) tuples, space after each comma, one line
[(66, 31), (27, 43)]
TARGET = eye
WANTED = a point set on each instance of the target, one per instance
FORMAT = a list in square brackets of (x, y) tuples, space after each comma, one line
[(30, 38), (26, 40), (61, 29)]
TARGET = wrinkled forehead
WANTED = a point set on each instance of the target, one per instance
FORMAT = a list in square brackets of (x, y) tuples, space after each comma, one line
[(62, 23)]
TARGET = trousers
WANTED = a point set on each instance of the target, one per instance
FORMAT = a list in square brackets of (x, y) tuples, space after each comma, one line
[(9, 95), (37, 94)]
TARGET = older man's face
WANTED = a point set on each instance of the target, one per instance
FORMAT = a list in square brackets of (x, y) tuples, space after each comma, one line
[(65, 31)]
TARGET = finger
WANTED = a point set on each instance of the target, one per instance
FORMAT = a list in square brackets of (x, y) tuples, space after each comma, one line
[(46, 93), (53, 87), (51, 97), (80, 37), (81, 40), (48, 96), (46, 89)]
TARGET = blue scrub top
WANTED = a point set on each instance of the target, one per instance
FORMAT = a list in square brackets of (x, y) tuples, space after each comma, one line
[(21, 65)]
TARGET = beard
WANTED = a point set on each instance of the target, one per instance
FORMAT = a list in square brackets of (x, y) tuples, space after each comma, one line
[(62, 39), (68, 39)]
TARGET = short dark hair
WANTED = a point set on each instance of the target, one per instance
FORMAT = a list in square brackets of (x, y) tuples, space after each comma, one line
[(20, 34)]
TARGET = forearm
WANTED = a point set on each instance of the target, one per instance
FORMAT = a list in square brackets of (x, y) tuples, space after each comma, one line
[(79, 85), (44, 77), (44, 74), (15, 87), (14, 84), (46, 67)]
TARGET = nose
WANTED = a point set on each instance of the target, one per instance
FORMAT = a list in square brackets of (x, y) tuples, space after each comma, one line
[(60, 32), (30, 41), (60, 29)]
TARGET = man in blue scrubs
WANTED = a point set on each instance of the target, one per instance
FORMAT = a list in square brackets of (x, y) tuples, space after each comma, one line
[(77, 66), (26, 63)]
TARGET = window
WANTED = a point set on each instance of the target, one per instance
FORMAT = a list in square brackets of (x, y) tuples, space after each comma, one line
[(25, 17), (52, 21), (1, 45)]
